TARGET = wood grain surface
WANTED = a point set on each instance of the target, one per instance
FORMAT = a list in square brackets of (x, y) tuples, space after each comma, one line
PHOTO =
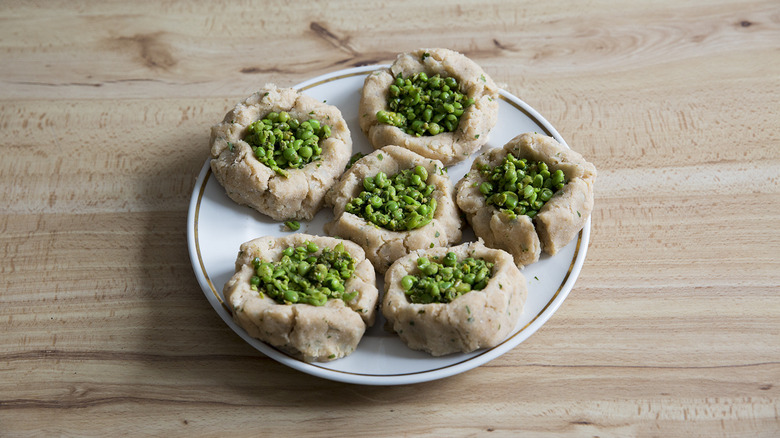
[(673, 328)]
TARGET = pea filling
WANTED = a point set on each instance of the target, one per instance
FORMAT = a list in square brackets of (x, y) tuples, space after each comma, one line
[(423, 105), (401, 202), (282, 142), (443, 282), (303, 277), (518, 186)]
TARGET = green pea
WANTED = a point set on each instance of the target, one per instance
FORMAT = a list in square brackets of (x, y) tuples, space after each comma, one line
[(557, 177), (305, 152), (381, 181), (431, 269), (421, 172), (265, 271), (407, 282), (462, 288), (451, 259), (290, 154), (511, 200), (384, 118), (293, 225)]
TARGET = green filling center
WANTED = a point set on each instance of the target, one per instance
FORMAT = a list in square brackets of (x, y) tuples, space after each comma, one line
[(302, 277), (519, 186), (401, 202), (443, 282), (424, 106), (282, 142)]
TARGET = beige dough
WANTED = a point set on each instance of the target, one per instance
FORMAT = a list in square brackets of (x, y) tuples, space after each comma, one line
[(476, 319), (556, 224), (311, 333), (450, 147), (383, 246), (247, 181)]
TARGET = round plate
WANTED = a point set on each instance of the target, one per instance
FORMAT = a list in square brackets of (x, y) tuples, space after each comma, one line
[(216, 226)]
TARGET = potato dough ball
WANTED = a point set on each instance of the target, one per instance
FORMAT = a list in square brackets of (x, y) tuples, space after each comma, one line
[(247, 181), (309, 332), (476, 319), (383, 246), (559, 219), (471, 130)]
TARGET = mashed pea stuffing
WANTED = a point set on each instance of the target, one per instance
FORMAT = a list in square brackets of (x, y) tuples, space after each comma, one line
[(422, 105), (300, 276), (519, 186), (443, 282), (282, 142), (400, 202)]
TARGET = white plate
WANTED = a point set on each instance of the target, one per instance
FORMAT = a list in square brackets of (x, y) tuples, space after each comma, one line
[(216, 226)]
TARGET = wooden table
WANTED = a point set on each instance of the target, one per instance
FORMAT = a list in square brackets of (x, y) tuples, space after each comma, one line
[(673, 328)]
